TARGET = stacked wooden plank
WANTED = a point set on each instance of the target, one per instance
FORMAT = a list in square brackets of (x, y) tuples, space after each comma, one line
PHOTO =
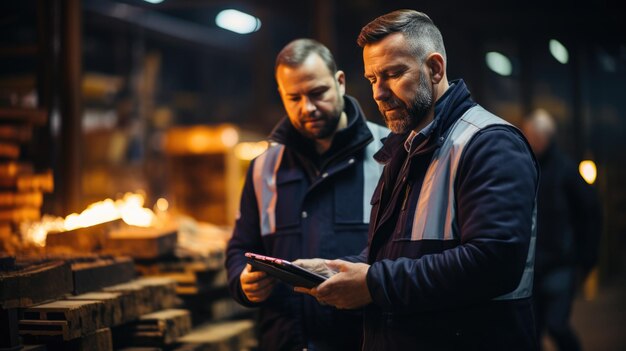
[(92, 275), (89, 272), (204, 176), (159, 328), (24, 286), (222, 336), (62, 319), (21, 185), (84, 322), (87, 239), (201, 284), (140, 242), (193, 274)]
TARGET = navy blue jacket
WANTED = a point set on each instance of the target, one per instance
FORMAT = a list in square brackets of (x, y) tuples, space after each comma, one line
[(569, 216), (435, 294), (322, 210)]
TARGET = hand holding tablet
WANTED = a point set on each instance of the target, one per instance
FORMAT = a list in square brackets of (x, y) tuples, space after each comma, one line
[(285, 270)]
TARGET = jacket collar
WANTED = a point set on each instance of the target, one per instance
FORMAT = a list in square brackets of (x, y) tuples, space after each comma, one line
[(356, 132)]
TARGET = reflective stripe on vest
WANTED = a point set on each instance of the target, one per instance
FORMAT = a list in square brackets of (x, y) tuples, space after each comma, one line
[(435, 217), (372, 169), (264, 178), (267, 164)]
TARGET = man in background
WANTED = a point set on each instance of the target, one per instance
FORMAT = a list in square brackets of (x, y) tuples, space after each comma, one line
[(307, 196), (569, 223)]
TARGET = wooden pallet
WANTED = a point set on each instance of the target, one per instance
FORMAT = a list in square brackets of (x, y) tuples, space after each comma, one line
[(32, 284), (9, 334), (192, 280), (113, 306), (88, 239), (141, 243), (145, 295), (194, 274), (100, 340), (159, 328), (61, 320), (223, 336), (94, 275)]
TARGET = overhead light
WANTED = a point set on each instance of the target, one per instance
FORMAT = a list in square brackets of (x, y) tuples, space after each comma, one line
[(154, 1), (559, 51), (237, 21), (499, 63), (588, 171)]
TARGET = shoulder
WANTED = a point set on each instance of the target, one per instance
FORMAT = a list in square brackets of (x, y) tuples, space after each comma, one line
[(379, 132), (499, 148), (499, 139)]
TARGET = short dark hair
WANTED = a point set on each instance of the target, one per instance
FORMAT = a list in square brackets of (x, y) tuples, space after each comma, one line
[(298, 50), (418, 29)]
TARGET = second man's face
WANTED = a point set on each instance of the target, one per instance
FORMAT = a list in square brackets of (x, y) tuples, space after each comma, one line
[(312, 97), (400, 87)]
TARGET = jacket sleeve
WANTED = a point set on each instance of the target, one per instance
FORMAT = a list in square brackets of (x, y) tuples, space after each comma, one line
[(360, 258), (246, 238), (495, 192)]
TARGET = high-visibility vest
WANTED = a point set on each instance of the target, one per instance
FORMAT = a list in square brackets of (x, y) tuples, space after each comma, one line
[(436, 217)]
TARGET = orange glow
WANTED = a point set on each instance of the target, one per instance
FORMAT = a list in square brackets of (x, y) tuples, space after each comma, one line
[(130, 209), (162, 205), (588, 171), (248, 151), (200, 139)]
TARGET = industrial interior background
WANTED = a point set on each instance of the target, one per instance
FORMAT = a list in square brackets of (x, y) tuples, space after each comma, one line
[(109, 97)]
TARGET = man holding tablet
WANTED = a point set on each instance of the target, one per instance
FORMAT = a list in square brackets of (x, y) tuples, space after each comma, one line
[(307, 196)]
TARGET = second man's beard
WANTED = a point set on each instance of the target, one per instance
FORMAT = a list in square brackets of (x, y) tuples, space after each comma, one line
[(416, 112)]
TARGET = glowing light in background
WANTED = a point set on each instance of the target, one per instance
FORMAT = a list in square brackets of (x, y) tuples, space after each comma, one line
[(499, 63), (130, 209), (588, 171), (154, 1), (162, 204), (199, 141), (229, 136), (247, 151), (559, 51), (132, 212), (237, 21)]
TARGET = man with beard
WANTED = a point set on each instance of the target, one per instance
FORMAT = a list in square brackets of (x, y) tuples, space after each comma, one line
[(449, 262), (306, 196)]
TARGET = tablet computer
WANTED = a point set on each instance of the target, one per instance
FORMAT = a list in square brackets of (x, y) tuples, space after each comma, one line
[(285, 270)]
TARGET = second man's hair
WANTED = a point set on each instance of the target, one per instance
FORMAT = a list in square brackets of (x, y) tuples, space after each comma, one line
[(298, 50), (418, 29)]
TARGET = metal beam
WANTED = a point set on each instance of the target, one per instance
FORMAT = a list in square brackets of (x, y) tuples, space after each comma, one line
[(170, 26)]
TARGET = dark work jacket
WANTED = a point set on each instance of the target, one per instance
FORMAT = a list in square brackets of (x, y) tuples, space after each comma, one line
[(569, 216), (435, 294), (322, 210)]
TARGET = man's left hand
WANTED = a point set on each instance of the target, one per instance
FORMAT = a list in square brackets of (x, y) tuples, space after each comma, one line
[(346, 289)]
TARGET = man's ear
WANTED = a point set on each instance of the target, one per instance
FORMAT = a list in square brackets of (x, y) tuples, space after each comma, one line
[(437, 66), (341, 80)]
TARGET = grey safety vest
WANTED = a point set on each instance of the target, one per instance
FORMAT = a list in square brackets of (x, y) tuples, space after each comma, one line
[(266, 167), (436, 217)]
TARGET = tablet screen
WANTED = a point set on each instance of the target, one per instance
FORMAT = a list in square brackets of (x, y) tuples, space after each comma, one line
[(285, 270)]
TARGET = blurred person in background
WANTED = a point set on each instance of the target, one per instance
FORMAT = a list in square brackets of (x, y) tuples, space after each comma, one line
[(569, 224), (307, 196)]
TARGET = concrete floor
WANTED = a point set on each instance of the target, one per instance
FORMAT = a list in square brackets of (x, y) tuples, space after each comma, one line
[(601, 322)]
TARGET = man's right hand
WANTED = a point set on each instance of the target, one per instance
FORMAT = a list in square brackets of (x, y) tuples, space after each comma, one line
[(256, 285)]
